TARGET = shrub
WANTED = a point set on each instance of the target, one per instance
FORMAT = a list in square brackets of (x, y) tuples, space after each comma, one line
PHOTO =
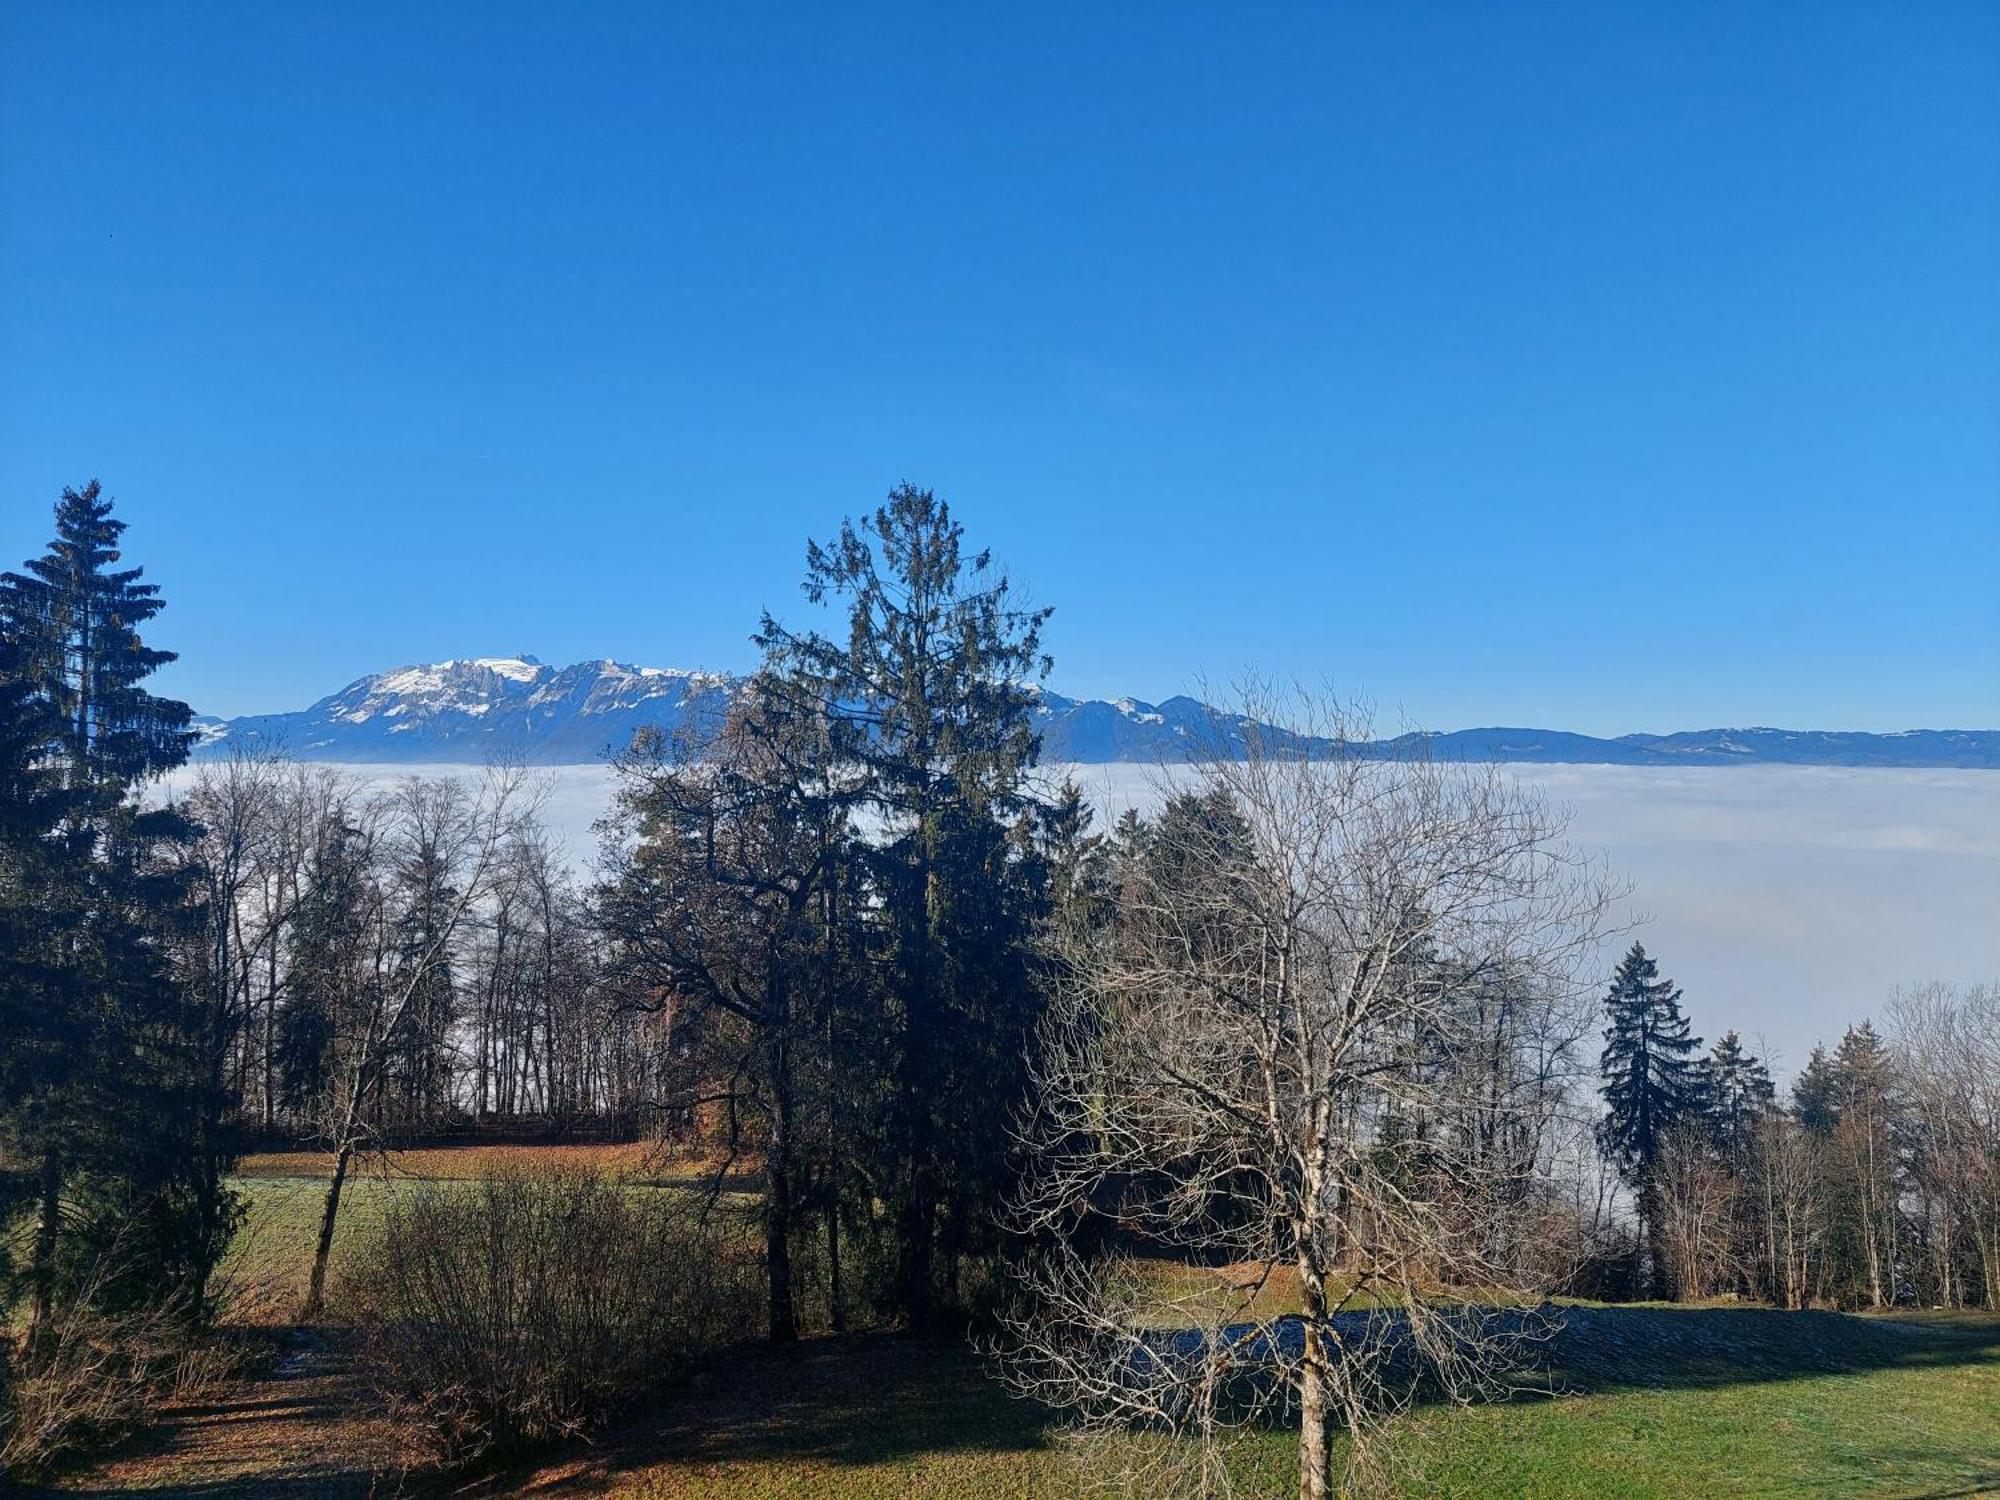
[(525, 1308), (95, 1376)]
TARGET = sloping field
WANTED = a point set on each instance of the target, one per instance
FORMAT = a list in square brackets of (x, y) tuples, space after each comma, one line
[(1667, 1403), (1650, 1401)]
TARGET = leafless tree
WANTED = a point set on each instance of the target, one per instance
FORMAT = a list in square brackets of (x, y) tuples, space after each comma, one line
[(1322, 1040), (1697, 1202), (1946, 1043), (454, 839), (1788, 1190)]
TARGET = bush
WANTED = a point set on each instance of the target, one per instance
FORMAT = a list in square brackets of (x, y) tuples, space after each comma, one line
[(526, 1308), (96, 1376)]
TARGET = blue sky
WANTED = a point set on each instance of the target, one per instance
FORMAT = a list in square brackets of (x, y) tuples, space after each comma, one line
[(1606, 366)]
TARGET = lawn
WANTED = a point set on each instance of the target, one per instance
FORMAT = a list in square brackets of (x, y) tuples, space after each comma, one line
[(644, 1161), (269, 1262), (1690, 1403), (1656, 1401)]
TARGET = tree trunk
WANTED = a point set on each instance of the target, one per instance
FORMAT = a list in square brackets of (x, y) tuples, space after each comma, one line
[(919, 1232), (316, 1293), (1659, 1283), (1315, 1449), (778, 1207), (836, 1295)]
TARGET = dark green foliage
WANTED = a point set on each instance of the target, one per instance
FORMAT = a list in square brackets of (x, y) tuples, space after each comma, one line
[(739, 907), (31, 810), (104, 1080), (1740, 1092), (1850, 1102), (928, 698), (329, 978), (1654, 1078), (1816, 1093), (1078, 861)]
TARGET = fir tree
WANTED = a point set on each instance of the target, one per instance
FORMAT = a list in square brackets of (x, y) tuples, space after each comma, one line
[(1862, 1119), (109, 1113), (1816, 1093), (928, 695), (31, 811), (1076, 859), (1740, 1092), (1653, 1081)]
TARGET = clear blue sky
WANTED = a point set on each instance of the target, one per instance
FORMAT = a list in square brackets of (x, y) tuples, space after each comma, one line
[(1606, 366)]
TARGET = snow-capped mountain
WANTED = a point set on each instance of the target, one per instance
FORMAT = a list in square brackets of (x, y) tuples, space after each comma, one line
[(470, 710), (479, 707)]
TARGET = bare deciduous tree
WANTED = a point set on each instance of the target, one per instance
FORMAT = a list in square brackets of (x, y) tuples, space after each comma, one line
[(452, 841), (1790, 1202), (1321, 1039), (1696, 1194), (1946, 1043)]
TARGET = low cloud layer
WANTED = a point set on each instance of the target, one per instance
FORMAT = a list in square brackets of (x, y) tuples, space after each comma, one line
[(1788, 902)]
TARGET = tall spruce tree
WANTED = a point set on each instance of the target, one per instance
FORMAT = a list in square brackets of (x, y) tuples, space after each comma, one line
[(1816, 1093), (108, 1108), (929, 697), (1654, 1079)]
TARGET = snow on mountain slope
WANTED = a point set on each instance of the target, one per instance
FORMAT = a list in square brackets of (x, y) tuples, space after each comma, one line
[(481, 707)]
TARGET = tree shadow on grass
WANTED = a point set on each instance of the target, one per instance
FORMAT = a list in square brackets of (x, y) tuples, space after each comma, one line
[(821, 1403), (831, 1404), (1553, 1350), (1626, 1348)]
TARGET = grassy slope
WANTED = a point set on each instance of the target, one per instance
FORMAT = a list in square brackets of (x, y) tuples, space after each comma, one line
[(1681, 1403), (270, 1260), (1740, 1402)]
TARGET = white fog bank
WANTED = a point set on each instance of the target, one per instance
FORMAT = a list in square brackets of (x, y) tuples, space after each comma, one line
[(1787, 901)]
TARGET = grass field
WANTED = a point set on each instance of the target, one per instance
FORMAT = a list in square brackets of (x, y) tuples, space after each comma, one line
[(269, 1263), (1657, 1401), (641, 1161), (1691, 1403)]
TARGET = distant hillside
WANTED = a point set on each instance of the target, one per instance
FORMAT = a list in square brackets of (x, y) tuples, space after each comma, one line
[(466, 711)]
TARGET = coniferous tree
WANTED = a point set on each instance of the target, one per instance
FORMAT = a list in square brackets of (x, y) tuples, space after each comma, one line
[(732, 906), (1077, 860), (1815, 1093), (1740, 1092), (928, 695), (31, 811), (1653, 1081), (111, 1114)]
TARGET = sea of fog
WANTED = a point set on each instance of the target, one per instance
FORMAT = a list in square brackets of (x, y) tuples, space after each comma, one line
[(1787, 901)]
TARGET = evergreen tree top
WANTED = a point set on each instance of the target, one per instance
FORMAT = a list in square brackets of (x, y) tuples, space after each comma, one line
[(930, 687), (1652, 1076), (77, 624), (1740, 1088)]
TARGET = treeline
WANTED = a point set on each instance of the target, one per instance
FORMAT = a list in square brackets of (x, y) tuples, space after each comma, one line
[(1874, 1182), (811, 945), (325, 894)]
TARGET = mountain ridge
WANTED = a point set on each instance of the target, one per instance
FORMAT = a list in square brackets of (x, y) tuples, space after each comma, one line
[(470, 709)]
